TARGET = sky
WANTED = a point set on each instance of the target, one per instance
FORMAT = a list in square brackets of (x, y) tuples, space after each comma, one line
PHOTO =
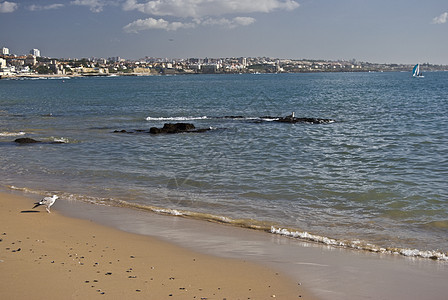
[(379, 31)]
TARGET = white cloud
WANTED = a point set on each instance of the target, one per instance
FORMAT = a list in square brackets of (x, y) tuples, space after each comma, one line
[(230, 23), (204, 8), (152, 23), (8, 7), (45, 7), (443, 18), (94, 5), (201, 12), (244, 21)]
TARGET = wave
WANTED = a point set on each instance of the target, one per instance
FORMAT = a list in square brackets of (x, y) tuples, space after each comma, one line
[(192, 118), (7, 133), (59, 77), (175, 118), (267, 227), (245, 118), (62, 140), (360, 245)]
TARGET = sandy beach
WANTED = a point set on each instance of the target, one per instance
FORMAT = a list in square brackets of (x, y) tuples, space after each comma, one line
[(48, 255)]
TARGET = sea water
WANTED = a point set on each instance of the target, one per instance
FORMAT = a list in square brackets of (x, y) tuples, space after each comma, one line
[(374, 179)]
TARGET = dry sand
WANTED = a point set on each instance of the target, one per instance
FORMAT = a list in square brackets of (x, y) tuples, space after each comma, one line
[(50, 256)]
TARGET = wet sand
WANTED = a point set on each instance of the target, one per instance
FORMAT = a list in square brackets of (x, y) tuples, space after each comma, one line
[(329, 273), (53, 256)]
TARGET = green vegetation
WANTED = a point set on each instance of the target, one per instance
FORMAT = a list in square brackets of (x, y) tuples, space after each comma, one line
[(43, 70)]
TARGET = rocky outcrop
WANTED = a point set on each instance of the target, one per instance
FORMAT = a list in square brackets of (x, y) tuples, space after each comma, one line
[(168, 128), (173, 128), (288, 119), (26, 141), (291, 119)]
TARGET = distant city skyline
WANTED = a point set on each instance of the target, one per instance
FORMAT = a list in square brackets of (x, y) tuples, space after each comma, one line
[(402, 31)]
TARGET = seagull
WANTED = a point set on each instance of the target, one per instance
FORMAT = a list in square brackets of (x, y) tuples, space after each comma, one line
[(47, 201)]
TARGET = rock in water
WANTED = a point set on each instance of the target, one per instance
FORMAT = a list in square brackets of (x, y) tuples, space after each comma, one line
[(172, 128), (291, 119), (26, 141)]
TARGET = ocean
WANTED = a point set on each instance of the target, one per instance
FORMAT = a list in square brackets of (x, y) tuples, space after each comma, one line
[(374, 179)]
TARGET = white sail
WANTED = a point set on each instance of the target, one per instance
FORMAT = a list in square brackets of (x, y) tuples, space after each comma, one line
[(416, 71)]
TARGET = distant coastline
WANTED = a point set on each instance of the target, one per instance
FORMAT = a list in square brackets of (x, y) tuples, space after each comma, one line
[(62, 76), (42, 67)]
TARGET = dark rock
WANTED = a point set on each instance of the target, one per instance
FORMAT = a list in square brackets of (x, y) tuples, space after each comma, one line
[(26, 141), (293, 120), (155, 130), (176, 128)]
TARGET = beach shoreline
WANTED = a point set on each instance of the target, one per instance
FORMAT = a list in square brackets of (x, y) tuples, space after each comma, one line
[(324, 272), (51, 255)]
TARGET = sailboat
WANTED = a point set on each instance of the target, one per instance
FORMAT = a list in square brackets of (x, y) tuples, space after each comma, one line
[(416, 71)]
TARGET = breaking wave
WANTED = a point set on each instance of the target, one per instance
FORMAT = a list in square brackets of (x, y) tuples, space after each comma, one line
[(6, 133), (268, 227), (175, 118)]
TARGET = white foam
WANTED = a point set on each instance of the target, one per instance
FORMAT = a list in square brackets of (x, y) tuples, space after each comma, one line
[(359, 245), (61, 140), (269, 119), (173, 212), (6, 133), (175, 118)]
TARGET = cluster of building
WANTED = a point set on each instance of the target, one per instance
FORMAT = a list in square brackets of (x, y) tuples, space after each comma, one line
[(34, 64)]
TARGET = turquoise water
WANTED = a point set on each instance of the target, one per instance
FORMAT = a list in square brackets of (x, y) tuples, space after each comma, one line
[(375, 178)]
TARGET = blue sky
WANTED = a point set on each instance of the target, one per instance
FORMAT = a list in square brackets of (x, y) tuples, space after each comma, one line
[(382, 31)]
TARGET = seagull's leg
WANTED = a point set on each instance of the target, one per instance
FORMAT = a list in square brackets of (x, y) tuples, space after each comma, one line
[(48, 210)]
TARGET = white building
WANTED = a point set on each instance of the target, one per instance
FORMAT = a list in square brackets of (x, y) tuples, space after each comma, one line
[(35, 52), (5, 51)]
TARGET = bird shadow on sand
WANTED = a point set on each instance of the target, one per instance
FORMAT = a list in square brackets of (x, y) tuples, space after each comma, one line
[(29, 211)]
